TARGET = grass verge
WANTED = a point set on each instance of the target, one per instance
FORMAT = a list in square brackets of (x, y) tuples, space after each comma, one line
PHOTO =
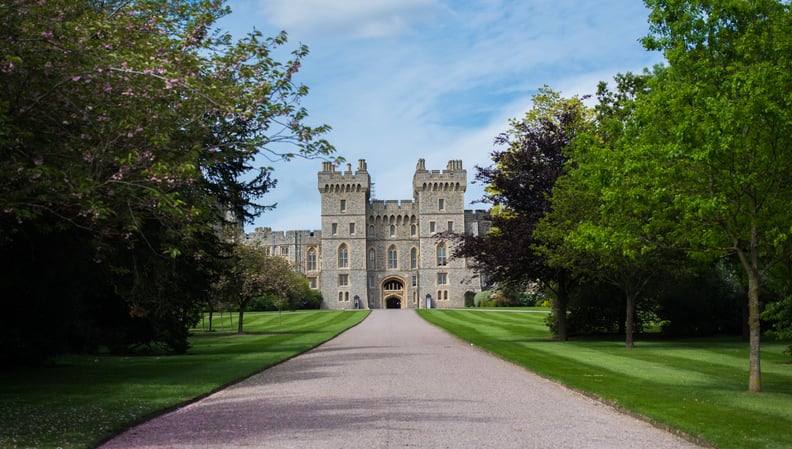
[(82, 399), (696, 386)]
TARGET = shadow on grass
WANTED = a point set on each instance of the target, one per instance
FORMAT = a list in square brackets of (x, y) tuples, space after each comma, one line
[(201, 335)]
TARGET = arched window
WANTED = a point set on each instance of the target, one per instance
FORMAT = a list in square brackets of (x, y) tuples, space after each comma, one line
[(442, 260), (393, 257), (372, 259), (311, 259), (414, 258), (413, 230), (392, 230), (343, 256)]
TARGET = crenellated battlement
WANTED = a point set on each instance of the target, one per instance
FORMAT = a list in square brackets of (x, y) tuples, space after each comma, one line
[(332, 181), (453, 178), (380, 207), (266, 235)]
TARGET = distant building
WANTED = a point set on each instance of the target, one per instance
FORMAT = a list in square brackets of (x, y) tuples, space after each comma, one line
[(385, 254)]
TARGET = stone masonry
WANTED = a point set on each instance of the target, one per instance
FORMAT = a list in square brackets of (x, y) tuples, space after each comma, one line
[(384, 254)]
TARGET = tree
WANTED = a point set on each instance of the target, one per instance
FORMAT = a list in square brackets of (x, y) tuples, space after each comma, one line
[(259, 274), (717, 124), (518, 186), (608, 221), (129, 131)]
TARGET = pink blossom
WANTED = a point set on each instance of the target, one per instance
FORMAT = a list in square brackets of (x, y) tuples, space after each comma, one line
[(46, 34), (38, 161)]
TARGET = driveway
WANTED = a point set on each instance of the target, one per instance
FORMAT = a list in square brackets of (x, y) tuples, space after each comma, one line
[(395, 381)]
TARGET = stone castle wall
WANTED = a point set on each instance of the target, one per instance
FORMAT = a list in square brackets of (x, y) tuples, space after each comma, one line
[(384, 253)]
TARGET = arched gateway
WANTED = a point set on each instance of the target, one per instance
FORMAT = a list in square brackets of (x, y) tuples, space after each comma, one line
[(392, 293)]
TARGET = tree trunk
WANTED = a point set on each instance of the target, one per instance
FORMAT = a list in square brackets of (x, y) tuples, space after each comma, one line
[(211, 315), (560, 309), (241, 317), (754, 329), (629, 320)]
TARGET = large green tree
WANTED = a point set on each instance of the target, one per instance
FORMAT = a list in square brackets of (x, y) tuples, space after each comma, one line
[(518, 185), (129, 129), (607, 221), (717, 126)]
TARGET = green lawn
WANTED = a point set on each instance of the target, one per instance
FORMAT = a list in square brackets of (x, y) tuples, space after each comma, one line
[(82, 399), (698, 386)]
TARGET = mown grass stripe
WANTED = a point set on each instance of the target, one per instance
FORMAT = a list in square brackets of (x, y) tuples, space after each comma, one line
[(698, 386), (82, 398)]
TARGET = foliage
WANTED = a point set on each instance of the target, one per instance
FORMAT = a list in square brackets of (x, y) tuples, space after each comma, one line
[(258, 274), (481, 298), (703, 302), (518, 186), (129, 131), (600, 227), (79, 400), (780, 314), (716, 126), (695, 386)]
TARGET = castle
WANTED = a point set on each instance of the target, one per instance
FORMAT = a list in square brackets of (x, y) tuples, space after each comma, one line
[(384, 254)]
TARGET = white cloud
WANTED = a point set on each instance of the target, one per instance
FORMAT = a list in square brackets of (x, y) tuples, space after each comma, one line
[(401, 80), (351, 18)]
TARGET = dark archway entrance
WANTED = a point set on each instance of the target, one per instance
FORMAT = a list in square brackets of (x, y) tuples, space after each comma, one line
[(392, 293)]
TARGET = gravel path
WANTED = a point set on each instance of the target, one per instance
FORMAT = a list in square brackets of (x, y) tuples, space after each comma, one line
[(395, 381)]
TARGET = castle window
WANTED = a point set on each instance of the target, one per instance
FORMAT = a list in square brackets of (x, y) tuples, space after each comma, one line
[(414, 258), (432, 227), (334, 228), (392, 230), (413, 229), (343, 205), (343, 280), (415, 281), (343, 256), (450, 226), (442, 260), (371, 230), (340, 296), (442, 278), (372, 259), (312, 283), (441, 204), (351, 228), (284, 251), (310, 259), (393, 257)]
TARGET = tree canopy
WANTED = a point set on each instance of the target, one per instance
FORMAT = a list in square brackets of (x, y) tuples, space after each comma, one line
[(717, 123), (518, 186), (131, 130)]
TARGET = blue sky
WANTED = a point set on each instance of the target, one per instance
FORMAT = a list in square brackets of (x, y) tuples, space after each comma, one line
[(400, 80)]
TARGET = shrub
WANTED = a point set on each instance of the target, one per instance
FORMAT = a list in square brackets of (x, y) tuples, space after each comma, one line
[(481, 297)]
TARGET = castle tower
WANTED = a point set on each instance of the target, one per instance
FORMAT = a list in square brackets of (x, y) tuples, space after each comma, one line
[(345, 196), (440, 196)]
